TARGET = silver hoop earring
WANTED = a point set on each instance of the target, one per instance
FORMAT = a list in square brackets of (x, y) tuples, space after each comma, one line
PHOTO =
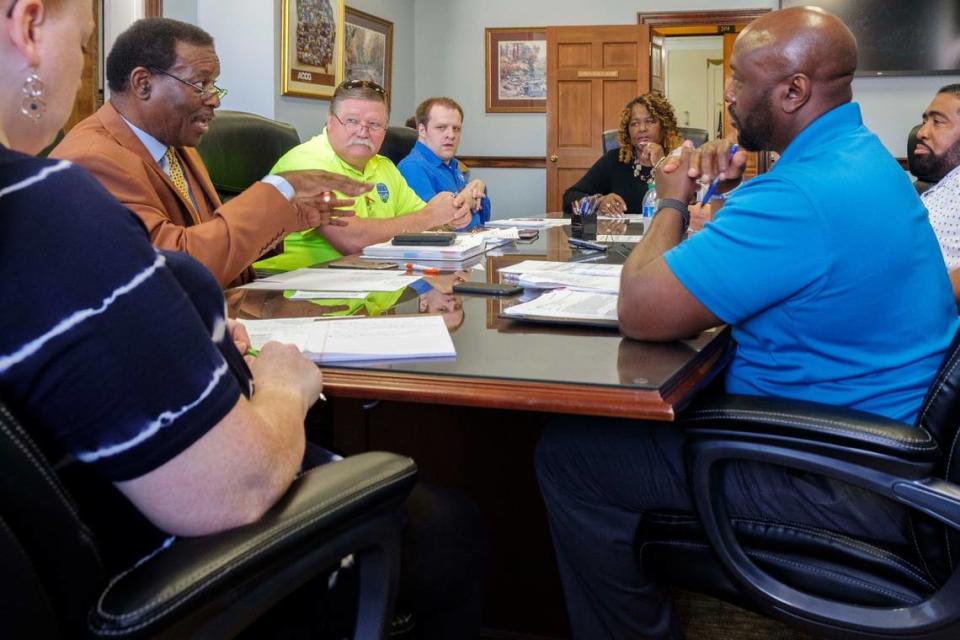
[(33, 105)]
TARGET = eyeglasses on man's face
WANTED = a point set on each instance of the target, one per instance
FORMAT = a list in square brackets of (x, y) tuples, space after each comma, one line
[(204, 93), (354, 125)]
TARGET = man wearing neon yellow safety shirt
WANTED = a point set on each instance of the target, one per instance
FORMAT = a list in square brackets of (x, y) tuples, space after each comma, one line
[(356, 126)]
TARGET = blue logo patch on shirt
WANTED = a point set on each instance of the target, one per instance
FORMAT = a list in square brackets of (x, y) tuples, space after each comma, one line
[(383, 192)]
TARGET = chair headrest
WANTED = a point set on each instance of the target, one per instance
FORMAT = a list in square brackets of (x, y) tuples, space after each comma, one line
[(398, 142), (610, 140), (940, 411), (240, 148), (696, 136)]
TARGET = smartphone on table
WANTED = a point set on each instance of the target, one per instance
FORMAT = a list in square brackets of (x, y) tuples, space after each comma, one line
[(487, 288), (442, 239)]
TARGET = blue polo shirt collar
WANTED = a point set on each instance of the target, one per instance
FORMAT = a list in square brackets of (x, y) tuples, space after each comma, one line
[(428, 155), (822, 131)]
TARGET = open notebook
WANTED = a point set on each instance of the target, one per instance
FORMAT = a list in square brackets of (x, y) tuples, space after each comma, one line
[(356, 339)]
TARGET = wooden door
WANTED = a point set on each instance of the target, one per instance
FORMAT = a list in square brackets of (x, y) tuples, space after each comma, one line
[(592, 72), (90, 94)]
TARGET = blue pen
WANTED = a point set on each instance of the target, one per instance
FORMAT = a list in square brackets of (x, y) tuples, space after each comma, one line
[(716, 181)]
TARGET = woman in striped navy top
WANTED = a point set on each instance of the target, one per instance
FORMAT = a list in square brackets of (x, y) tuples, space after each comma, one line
[(163, 409)]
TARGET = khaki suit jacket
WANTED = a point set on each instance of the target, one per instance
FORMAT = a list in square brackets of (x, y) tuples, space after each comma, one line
[(229, 238)]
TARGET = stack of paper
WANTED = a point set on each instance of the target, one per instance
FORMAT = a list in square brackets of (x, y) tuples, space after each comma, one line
[(536, 274), (465, 246), (569, 307), (528, 223), (335, 280), (356, 339)]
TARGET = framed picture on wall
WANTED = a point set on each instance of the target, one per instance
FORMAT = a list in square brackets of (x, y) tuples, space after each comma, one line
[(311, 47), (516, 62), (368, 43)]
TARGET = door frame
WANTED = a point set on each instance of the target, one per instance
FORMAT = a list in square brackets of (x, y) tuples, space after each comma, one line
[(700, 23)]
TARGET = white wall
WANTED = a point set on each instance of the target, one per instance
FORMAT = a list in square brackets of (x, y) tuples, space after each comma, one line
[(183, 10), (687, 78)]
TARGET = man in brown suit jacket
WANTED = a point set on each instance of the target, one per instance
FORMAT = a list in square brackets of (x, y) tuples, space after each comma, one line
[(140, 146)]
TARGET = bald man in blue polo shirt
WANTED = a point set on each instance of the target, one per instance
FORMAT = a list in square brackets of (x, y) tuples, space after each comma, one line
[(431, 167), (830, 276)]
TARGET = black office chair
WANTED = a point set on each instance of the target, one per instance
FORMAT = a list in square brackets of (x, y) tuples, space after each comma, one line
[(212, 587), (923, 181), (398, 142), (830, 585), (240, 148), (697, 136)]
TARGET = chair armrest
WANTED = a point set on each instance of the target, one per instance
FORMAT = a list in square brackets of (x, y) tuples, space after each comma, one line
[(329, 512), (809, 425)]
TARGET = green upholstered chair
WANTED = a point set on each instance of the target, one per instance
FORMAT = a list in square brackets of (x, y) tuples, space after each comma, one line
[(240, 148)]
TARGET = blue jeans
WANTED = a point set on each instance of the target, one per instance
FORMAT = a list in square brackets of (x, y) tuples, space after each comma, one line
[(598, 476)]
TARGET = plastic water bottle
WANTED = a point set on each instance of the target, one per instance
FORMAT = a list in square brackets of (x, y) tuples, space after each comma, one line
[(649, 206)]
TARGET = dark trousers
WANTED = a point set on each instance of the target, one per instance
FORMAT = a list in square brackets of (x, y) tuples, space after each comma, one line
[(599, 476)]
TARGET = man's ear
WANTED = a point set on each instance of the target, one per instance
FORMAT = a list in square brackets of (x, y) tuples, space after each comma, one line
[(26, 18), (422, 131), (141, 83), (795, 92)]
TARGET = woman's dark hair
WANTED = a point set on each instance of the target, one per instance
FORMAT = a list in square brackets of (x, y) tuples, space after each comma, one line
[(660, 110), (151, 43)]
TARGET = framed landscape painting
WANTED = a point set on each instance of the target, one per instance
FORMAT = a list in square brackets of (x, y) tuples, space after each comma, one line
[(368, 43), (516, 63), (311, 47)]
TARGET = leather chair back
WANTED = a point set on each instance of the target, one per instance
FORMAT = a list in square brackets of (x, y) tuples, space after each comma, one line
[(398, 143), (697, 136), (240, 148), (923, 181), (940, 415), (50, 564)]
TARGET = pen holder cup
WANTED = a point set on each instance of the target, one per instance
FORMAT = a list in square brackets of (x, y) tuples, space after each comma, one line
[(584, 225)]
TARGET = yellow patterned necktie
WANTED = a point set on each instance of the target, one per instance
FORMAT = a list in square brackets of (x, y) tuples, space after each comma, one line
[(175, 171)]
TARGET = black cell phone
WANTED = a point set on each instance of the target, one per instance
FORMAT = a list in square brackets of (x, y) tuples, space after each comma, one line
[(487, 288), (427, 238)]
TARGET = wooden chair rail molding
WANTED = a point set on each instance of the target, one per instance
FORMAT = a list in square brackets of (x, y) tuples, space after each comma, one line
[(504, 162)]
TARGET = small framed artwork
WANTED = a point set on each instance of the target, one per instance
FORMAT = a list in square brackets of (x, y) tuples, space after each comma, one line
[(311, 47), (368, 43), (516, 69)]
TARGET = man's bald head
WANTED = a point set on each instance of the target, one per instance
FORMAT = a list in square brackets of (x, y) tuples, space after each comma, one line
[(801, 61)]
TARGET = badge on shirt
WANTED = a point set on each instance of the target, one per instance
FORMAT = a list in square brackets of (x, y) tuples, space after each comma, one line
[(383, 192)]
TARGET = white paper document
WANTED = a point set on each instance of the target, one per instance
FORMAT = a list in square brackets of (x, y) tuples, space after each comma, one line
[(357, 339), (612, 238), (335, 280), (568, 306), (329, 295), (580, 282), (528, 223), (465, 246), (497, 237), (545, 266)]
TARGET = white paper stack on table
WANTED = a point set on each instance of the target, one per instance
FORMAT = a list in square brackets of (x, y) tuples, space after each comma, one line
[(541, 274), (465, 246), (528, 223), (341, 280), (567, 306), (358, 339)]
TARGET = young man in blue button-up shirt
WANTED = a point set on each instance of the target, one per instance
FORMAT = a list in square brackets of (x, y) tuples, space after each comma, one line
[(431, 166)]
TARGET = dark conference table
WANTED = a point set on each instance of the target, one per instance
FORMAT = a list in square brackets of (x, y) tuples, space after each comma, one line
[(472, 423), (509, 364)]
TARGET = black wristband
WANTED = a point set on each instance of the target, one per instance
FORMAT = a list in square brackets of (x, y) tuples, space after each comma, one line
[(677, 206)]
